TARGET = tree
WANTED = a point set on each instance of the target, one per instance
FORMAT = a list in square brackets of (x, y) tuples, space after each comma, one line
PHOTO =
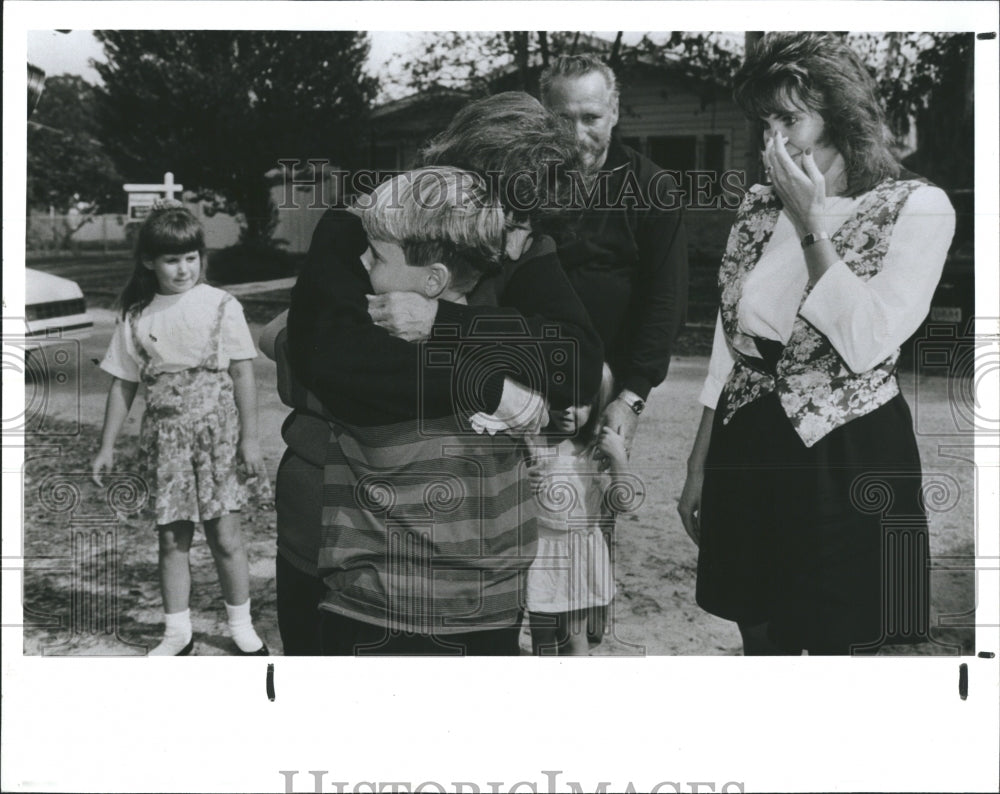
[(66, 163), (474, 61), (477, 60), (221, 108), (68, 170), (926, 79)]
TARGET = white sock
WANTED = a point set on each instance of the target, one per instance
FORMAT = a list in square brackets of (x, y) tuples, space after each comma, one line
[(177, 634), (241, 628)]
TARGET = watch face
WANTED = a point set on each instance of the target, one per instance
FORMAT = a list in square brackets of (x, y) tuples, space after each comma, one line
[(637, 407)]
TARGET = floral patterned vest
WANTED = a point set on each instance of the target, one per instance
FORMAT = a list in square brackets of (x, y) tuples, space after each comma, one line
[(817, 390)]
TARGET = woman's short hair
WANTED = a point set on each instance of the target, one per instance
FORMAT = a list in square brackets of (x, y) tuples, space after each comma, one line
[(438, 214), (522, 150), (820, 73), (574, 66)]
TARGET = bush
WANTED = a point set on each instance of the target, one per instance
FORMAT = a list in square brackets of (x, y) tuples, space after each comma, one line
[(251, 262)]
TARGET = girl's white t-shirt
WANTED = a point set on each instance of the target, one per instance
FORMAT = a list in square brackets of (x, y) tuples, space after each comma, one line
[(864, 320), (175, 331)]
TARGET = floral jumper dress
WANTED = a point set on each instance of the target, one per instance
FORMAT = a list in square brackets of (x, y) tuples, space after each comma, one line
[(189, 437)]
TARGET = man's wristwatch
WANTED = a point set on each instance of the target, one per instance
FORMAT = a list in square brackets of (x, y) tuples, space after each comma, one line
[(633, 401)]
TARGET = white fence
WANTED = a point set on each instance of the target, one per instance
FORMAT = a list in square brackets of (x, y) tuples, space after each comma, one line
[(111, 232), (97, 232)]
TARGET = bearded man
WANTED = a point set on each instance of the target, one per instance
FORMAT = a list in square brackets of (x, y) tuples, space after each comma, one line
[(628, 260)]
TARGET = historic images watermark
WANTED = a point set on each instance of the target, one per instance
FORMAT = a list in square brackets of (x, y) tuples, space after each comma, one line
[(551, 785), (961, 355), (87, 519), (332, 187), (49, 368), (494, 343)]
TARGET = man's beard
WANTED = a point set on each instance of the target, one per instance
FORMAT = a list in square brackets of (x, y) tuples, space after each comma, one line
[(592, 156)]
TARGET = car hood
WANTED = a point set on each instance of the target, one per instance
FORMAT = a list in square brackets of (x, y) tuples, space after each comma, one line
[(41, 287)]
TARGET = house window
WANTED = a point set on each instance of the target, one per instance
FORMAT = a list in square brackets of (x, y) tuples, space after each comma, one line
[(715, 153), (633, 143), (674, 152), (704, 154), (714, 160)]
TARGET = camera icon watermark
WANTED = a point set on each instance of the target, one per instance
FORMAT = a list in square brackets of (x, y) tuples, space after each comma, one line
[(73, 601), (456, 368), (577, 506), (906, 505), (48, 368), (953, 367), (438, 522)]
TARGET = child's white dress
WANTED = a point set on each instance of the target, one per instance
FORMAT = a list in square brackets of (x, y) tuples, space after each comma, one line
[(572, 567), (180, 347)]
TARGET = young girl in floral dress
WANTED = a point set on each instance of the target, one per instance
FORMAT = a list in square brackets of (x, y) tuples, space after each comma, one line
[(581, 479), (189, 344)]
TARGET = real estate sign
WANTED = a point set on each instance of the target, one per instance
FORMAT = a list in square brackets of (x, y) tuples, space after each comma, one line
[(141, 198)]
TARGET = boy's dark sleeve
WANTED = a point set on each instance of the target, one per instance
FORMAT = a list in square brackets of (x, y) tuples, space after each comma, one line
[(360, 373), (540, 297)]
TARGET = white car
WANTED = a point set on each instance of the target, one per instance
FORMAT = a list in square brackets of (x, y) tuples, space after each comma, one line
[(54, 307)]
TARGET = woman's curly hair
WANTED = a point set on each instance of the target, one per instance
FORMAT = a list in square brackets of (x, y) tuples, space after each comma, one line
[(820, 73)]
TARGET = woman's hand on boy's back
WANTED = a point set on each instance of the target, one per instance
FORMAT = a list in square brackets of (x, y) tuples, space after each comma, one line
[(406, 315)]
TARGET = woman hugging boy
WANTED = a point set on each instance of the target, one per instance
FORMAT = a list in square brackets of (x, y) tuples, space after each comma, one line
[(428, 529)]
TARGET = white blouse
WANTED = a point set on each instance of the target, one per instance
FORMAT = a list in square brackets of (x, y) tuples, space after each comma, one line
[(864, 320), (176, 332)]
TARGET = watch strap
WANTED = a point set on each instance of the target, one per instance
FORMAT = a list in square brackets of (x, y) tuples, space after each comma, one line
[(814, 237)]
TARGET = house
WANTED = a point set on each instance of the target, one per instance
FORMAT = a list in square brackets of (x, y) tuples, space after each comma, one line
[(400, 127), (682, 123)]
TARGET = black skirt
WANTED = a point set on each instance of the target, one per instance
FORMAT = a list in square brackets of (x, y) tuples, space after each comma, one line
[(828, 545)]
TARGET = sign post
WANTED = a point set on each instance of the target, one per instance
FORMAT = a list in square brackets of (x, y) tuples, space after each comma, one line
[(142, 197)]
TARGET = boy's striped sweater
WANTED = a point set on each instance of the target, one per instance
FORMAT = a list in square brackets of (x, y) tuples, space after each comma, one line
[(427, 528)]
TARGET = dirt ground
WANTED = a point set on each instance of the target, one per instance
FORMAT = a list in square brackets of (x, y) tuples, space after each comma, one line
[(91, 587)]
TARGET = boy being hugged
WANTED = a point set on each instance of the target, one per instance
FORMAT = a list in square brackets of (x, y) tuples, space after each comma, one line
[(427, 530)]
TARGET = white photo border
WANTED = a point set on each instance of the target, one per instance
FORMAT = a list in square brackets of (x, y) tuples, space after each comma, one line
[(767, 724)]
